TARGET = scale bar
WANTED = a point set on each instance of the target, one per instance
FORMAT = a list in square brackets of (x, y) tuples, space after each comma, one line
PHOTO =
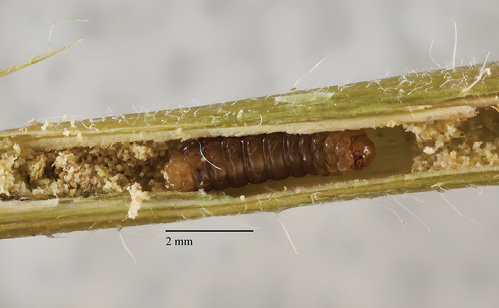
[(208, 230)]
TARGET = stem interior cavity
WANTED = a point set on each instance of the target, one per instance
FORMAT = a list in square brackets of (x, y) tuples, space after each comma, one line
[(87, 171)]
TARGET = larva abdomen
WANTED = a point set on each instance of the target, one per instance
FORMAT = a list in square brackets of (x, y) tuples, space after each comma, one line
[(217, 163)]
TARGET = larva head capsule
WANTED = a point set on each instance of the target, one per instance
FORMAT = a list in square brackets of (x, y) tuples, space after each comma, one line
[(362, 151)]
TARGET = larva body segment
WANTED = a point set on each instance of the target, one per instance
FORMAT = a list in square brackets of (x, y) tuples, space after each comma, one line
[(217, 163)]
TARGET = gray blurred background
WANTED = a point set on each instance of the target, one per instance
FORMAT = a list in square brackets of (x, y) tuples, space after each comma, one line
[(149, 55)]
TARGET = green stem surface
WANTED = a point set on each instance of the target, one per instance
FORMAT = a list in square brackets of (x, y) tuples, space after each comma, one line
[(415, 98)]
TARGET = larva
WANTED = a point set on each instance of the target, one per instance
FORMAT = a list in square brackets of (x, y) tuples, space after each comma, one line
[(217, 163)]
